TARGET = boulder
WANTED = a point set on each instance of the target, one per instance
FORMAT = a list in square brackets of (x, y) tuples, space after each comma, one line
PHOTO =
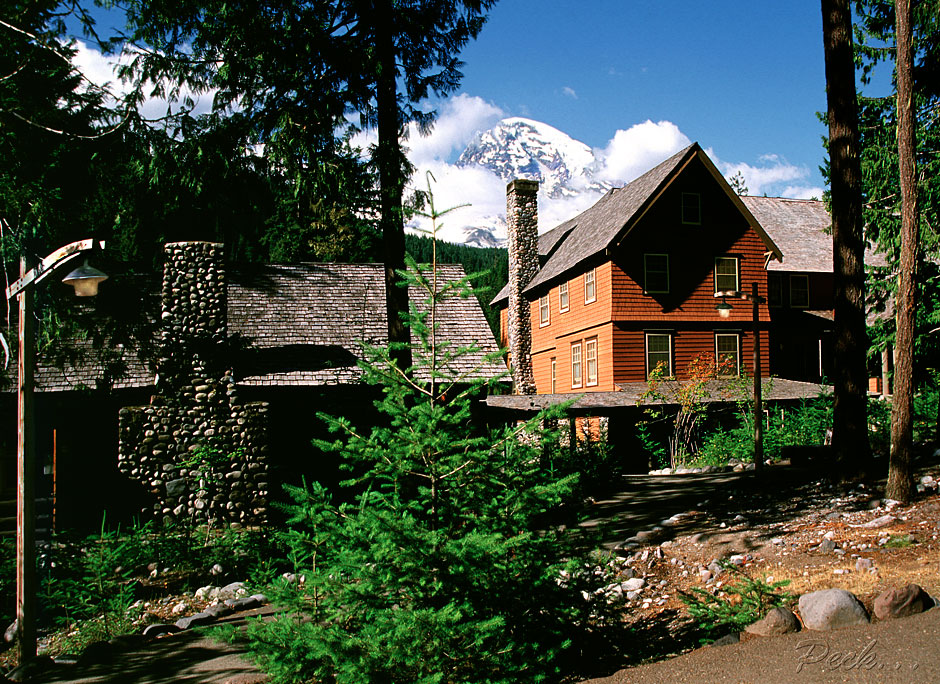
[(831, 609), (158, 630), (10, 634), (896, 603), (777, 621), (826, 546), (194, 620)]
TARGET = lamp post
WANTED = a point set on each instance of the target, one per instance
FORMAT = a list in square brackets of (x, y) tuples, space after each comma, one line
[(85, 281), (724, 310)]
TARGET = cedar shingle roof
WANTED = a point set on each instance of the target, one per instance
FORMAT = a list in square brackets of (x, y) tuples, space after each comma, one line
[(304, 323), (592, 231), (802, 229)]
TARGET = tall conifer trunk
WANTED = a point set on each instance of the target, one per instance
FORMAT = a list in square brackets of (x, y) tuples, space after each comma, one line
[(391, 178), (850, 429), (900, 478)]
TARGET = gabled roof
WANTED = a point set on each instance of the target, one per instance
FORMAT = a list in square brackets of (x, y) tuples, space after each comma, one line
[(304, 323), (612, 218)]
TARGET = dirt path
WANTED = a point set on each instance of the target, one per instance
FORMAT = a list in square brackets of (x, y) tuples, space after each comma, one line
[(183, 657), (905, 651)]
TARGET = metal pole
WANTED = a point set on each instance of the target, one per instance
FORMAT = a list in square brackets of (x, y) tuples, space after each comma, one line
[(758, 408), (25, 481)]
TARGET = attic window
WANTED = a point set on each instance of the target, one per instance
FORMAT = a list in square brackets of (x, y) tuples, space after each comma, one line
[(692, 208), (656, 273)]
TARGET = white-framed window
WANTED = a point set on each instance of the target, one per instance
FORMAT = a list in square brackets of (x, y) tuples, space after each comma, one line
[(774, 290), (590, 287), (554, 374), (576, 364), (544, 311), (656, 273), (563, 297), (728, 353), (799, 291), (590, 361), (691, 208), (726, 274), (659, 352)]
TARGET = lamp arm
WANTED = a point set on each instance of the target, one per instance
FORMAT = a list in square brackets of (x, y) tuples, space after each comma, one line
[(61, 256)]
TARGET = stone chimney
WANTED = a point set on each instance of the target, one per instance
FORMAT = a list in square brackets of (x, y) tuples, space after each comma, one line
[(522, 219)]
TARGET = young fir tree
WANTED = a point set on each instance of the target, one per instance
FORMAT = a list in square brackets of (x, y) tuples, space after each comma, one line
[(445, 567)]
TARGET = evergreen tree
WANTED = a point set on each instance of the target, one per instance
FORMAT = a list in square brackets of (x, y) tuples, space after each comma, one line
[(444, 567)]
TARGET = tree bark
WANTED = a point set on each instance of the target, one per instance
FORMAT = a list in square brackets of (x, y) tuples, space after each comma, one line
[(850, 425), (389, 160), (900, 476)]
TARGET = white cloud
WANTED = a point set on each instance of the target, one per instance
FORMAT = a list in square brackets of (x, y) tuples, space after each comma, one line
[(775, 177), (803, 192), (636, 150), (100, 69), (459, 119), (568, 91)]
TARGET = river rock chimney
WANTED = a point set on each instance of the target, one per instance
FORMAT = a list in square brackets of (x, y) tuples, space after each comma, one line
[(522, 219)]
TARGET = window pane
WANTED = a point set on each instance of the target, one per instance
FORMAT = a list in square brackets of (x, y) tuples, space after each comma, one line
[(576, 365), (726, 352), (543, 310), (590, 351), (657, 272), (775, 290), (589, 291), (563, 296), (691, 207), (658, 352), (726, 274), (799, 291)]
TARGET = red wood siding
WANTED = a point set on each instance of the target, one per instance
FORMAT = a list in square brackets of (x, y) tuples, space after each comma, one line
[(692, 250), (629, 349)]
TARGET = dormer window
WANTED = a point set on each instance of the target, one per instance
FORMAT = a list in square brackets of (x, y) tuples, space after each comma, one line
[(691, 208)]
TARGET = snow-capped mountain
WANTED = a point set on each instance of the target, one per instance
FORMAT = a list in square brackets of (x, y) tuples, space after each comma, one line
[(523, 148)]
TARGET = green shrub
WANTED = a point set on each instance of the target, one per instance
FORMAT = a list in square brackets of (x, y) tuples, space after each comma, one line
[(91, 580), (749, 600)]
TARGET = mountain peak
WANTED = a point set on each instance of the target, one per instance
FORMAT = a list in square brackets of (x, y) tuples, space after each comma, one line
[(523, 148)]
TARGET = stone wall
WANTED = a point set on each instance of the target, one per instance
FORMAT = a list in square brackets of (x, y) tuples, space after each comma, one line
[(196, 448), (522, 225)]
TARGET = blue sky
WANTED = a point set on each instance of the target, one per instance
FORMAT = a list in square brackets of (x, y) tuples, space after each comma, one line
[(636, 80), (744, 79)]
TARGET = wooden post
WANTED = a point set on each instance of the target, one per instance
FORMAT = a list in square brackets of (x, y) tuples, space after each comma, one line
[(758, 406), (25, 481)]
